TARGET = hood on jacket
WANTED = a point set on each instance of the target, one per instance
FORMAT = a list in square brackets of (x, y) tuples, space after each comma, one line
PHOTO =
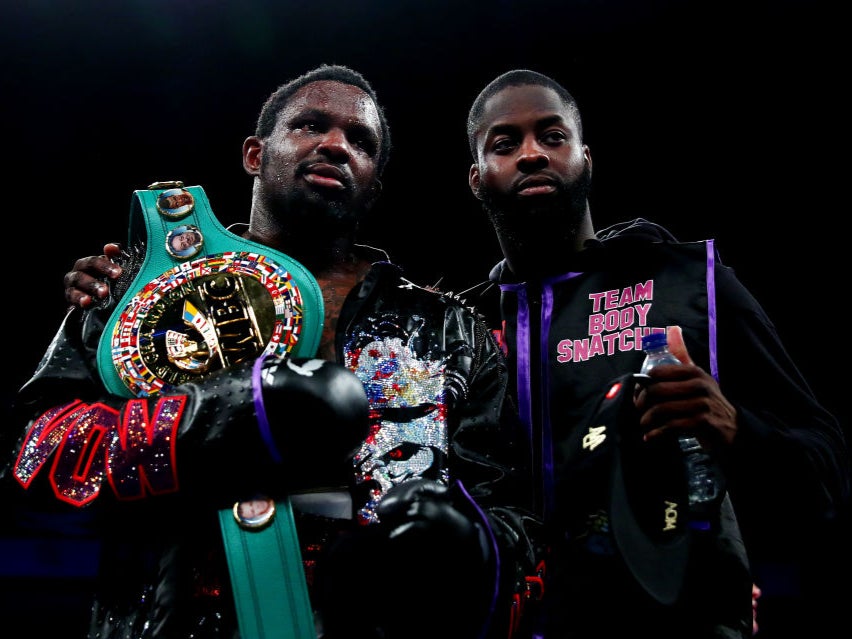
[(632, 231)]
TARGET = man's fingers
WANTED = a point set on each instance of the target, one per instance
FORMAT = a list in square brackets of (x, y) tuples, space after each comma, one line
[(112, 250), (674, 334), (85, 282)]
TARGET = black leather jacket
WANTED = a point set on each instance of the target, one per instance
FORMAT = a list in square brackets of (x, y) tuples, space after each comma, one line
[(436, 383)]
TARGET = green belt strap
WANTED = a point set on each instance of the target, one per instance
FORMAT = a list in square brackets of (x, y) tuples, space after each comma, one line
[(170, 309), (270, 591)]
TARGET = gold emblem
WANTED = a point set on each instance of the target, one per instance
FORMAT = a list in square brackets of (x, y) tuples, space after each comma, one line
[(184, 241), (255, 513), (204, 315), (175, 203)]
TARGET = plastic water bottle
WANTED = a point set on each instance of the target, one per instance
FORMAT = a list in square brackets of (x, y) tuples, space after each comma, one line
[(703, 476)]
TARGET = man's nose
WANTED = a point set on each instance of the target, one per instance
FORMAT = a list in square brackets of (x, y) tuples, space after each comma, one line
[(335, 145), (531, 156)]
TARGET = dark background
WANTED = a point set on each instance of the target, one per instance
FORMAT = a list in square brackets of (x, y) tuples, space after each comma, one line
[(716, 119)]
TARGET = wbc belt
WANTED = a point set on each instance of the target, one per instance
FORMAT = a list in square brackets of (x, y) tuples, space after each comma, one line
[(205, 299)]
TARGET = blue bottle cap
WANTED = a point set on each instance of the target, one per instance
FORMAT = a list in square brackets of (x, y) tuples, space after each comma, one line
[(654, 340)]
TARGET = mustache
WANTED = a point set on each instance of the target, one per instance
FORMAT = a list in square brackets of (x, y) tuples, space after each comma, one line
[(572, 195), (540, 178)]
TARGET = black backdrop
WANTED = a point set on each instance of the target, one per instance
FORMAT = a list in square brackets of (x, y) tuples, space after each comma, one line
[(716, 119)]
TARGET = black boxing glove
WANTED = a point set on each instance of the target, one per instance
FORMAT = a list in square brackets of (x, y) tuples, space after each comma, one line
[(426, 569), (277, 425), (312, 414)]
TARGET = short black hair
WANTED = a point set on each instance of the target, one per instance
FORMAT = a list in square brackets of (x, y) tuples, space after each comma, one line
[(517, 78), (333, 72)]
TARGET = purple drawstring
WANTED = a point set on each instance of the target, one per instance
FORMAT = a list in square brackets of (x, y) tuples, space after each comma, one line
[(260, 410)]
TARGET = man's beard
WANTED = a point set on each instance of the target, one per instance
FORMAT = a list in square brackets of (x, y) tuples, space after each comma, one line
[(557, 216), (301, 210), (311, 213)]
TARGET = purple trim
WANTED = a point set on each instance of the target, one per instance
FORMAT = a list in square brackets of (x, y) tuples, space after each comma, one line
[(524, 373), (561, 278), (522, 337), (495, 550), (711, 308), (548, 473), (260, 410), (547, 478)]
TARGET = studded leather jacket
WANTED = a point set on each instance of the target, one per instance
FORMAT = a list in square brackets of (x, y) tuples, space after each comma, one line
[(436, 384)]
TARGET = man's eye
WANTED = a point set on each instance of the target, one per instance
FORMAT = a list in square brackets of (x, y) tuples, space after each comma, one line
[(554, 137), (503, 146), (308, 125)]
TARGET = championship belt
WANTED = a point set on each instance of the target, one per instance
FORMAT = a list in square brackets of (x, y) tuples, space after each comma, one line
[(206, 299), (203, 299)]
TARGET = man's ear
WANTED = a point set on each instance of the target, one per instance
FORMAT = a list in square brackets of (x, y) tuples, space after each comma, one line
[(252, 153), (474, 180)]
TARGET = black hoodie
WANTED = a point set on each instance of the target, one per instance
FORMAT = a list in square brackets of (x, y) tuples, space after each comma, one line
[(569, 336)]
